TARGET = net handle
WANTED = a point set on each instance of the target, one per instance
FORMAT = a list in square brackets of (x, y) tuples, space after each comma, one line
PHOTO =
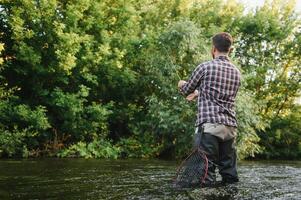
[(206, 166), (203, 153)]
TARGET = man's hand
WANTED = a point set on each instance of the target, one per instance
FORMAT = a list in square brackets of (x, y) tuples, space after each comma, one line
[(181, 83), (193, 95)]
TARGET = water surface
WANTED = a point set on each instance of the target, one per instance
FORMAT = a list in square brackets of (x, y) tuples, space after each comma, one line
[(138, 179)]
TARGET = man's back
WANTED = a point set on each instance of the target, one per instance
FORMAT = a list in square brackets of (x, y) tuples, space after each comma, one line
[(218, 82), (218, 89)]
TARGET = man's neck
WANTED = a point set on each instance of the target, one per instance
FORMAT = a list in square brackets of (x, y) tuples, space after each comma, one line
[(220, 54)]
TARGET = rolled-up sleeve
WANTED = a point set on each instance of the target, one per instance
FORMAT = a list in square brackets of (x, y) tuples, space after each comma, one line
[(194, 81)]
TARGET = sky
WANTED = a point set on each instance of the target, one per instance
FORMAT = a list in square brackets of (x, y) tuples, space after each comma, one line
[(250, 4)]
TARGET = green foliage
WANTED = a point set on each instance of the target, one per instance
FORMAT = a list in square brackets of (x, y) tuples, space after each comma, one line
[(267, 51), (13, 143), (1, 49), (142, 147), (169, 124), (247, 111), (283, 138), (20, 128), (95, 149), (98, 78), (19, 124), (168, 120), (74, 116), (23, 116)]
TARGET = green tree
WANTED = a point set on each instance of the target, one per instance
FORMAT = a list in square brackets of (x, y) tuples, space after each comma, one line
[(62, 50), (80, 77), (19, 123), (283, 138), (268, 49)]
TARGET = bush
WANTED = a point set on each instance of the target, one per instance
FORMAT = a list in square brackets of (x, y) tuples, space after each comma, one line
[(20, 128), (13, 143), (95, 149), (142, 147), (249, 123), (282, 140)]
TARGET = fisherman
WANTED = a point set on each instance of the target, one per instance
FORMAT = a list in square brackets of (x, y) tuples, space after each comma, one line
[(215, 84)]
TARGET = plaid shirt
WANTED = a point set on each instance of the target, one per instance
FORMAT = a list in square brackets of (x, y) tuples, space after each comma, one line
[(217, 82)]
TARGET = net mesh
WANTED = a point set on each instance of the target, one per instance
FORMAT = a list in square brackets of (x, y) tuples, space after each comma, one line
[(192, 171)]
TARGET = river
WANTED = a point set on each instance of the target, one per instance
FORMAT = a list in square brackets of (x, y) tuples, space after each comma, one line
[(139, 179)]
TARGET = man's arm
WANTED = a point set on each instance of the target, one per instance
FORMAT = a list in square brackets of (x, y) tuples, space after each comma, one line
[(190, 86), (192, 96)]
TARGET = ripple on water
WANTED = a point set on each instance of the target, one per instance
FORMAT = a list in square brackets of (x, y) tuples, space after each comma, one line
[(138, 179)]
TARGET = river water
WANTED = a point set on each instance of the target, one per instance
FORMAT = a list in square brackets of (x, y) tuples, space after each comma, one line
[(139, 179)]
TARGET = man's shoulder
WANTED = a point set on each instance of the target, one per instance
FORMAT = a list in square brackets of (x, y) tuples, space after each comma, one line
[(215, 62), (212, 64), (206, 64)]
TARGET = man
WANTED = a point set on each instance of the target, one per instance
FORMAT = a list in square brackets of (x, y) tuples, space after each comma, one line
[(216, 83)]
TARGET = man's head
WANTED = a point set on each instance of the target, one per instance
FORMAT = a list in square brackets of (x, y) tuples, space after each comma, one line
[(221, 44)]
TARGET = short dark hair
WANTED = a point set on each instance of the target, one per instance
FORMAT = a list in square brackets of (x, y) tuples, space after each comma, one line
[(222, 41)]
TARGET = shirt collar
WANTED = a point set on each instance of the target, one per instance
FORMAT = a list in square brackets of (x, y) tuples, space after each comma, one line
[(222, 57)]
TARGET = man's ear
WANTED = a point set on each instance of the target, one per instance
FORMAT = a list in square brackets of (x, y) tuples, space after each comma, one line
[(231, 50), (213, 51)]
